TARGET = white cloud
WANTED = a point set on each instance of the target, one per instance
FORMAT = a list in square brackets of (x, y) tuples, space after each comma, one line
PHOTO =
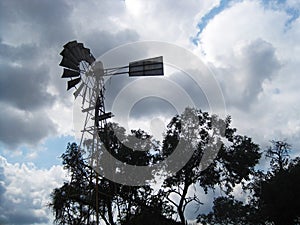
[(20, 127), (243, 21), (293, 4), (252, 64), (173, 21), (25, 192), (254, 52)]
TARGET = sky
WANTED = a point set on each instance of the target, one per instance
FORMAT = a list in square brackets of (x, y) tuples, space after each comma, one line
[(251, 48)]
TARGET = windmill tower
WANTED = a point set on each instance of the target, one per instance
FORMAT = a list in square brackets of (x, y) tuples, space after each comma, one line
[(86, 76)]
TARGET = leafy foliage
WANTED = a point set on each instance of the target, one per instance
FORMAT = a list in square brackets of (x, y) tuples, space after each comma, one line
[(227, 210), (218, 158), (275, 195), (280, 190)]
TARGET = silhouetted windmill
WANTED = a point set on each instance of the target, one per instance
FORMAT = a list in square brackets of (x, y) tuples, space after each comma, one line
[(86, 75)]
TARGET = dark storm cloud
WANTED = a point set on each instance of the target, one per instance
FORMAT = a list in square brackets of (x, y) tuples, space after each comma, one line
[(20, 54), (20, 127), (192, 88), (102, 41), (47, 21), (155, 106), (24, 81), (261, 63), (25, 88)]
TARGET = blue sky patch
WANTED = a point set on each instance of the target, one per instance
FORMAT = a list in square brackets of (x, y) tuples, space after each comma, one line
[(209, 16)]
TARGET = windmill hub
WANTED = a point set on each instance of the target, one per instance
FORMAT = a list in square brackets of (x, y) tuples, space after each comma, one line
[(96, 70)]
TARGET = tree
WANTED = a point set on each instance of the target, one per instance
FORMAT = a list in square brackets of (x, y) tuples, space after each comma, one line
[(73, 202), (232, 157), (217, 157), (274, 196), (280, 189), (278, 152), (227, 210)]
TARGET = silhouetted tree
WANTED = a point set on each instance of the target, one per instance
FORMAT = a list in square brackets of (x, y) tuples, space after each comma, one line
[(280, 190), (278, 152), (217, 157), (227, 210), (274, 196), (230, 160), (73, 203)]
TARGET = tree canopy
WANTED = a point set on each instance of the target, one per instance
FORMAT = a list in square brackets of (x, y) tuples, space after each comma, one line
[(273, 196), (219, 158)]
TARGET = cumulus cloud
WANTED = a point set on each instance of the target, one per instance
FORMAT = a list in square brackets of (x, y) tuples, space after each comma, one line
[(252, 64), (25, 88), (37, 21), (253, 50), (24, 127), (24, 96), (25, 192), (166, 20)]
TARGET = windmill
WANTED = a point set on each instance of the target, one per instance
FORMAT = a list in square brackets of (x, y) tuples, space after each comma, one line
[(86, 76)]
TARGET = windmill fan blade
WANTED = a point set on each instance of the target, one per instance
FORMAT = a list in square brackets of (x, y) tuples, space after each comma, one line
[(93, 58), (70, 73), (66, 53), (74, 48), (77, 92), (70, 44), (77, 51), (88, 56), (72, 83), (69, 64), (86, 52)]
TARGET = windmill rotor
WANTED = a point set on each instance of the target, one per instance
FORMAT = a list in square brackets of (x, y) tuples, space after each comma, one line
[(76, 61)]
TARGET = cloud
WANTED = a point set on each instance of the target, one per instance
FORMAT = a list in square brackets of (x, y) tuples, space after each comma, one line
[(37, 21), (103, 41), (252, 64), (24, 127), (24, 96), (25, 88), (254, 59), (219, 38), (171, 21), (25, 191)]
